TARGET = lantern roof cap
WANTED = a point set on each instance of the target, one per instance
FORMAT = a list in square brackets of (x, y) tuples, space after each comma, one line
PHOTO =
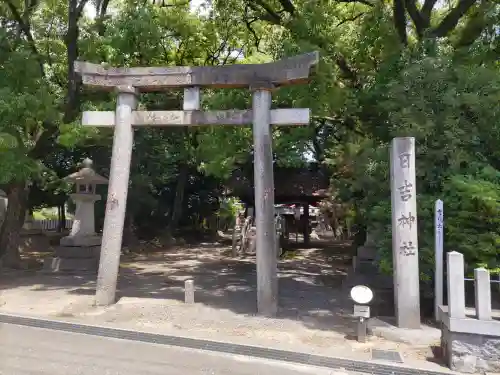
[(87, 175)]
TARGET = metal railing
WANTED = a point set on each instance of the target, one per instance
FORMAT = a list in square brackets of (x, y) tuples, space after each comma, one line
[(50, 224)]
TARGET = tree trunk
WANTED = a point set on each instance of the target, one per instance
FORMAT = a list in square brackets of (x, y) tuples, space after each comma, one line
[(71, 40), (179, 198), (129, 237), (14, 217), (62, 218)]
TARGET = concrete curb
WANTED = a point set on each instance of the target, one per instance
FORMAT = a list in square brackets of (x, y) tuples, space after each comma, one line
[(220, 347)]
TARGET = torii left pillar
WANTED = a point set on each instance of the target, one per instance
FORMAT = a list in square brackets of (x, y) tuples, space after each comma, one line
[(114, 220)]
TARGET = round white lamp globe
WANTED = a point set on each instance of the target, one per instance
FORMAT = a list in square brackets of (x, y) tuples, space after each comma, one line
[(361, 294)]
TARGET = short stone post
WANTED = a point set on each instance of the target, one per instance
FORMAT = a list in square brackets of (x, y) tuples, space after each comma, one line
[(482, 286), (456, 285), (404, 233), (117, 196), (189, 291), (267, 277)]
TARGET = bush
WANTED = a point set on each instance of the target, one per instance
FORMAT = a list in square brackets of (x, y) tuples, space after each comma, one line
[(471, 223)]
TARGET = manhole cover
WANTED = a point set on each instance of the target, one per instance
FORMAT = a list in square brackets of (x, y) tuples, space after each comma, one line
[(387, 355)]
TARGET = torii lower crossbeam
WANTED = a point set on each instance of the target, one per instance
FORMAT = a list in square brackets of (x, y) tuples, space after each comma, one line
[(296, 116)]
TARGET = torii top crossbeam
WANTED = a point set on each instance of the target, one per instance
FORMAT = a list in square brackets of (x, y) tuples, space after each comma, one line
[(294, 70)]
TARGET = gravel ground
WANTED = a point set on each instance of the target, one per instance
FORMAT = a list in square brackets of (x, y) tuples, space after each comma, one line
[(313, 316)]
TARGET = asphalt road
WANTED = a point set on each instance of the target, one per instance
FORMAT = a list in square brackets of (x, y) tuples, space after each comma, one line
[(30, 351)]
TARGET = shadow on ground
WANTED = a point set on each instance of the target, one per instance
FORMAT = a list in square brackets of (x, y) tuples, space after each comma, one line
[(310, 284)]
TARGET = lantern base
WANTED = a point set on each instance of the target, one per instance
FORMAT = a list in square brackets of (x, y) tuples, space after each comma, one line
[(82, 241), (76, 254), (70, 265)]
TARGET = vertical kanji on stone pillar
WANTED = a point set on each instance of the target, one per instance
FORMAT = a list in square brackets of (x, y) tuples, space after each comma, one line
[(405, 233), (123, 139)]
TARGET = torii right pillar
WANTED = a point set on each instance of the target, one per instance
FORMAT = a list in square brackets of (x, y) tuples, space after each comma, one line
[(267, 267)]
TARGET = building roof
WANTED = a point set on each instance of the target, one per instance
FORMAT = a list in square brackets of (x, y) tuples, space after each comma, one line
[(307, 184)]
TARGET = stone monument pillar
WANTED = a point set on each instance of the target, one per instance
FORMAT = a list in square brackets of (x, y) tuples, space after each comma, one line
[(81, 249), (404, 233)]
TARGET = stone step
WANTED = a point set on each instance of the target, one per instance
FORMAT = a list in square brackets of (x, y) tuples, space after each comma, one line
[(366, 252), (78, 251), (78, 265), (84, 241), (366, 267)]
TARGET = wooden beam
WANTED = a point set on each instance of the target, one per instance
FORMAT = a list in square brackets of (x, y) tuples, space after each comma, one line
[(296, 116), (294, 70)]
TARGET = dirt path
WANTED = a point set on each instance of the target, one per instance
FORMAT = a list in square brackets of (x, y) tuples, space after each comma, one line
[(313, 308)]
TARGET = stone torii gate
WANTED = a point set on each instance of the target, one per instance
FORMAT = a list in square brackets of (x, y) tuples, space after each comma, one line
[(129, 82)]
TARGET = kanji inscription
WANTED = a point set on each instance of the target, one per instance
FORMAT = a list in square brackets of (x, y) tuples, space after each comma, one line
[(404, 160), (407, 248), (406, 221), (405, 191), (439, 223)]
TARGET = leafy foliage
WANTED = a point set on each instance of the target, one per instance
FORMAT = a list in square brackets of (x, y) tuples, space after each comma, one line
[(387, 69)]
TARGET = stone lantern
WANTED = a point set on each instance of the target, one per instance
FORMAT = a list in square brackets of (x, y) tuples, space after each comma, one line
[(83, 230), (81, 249)]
